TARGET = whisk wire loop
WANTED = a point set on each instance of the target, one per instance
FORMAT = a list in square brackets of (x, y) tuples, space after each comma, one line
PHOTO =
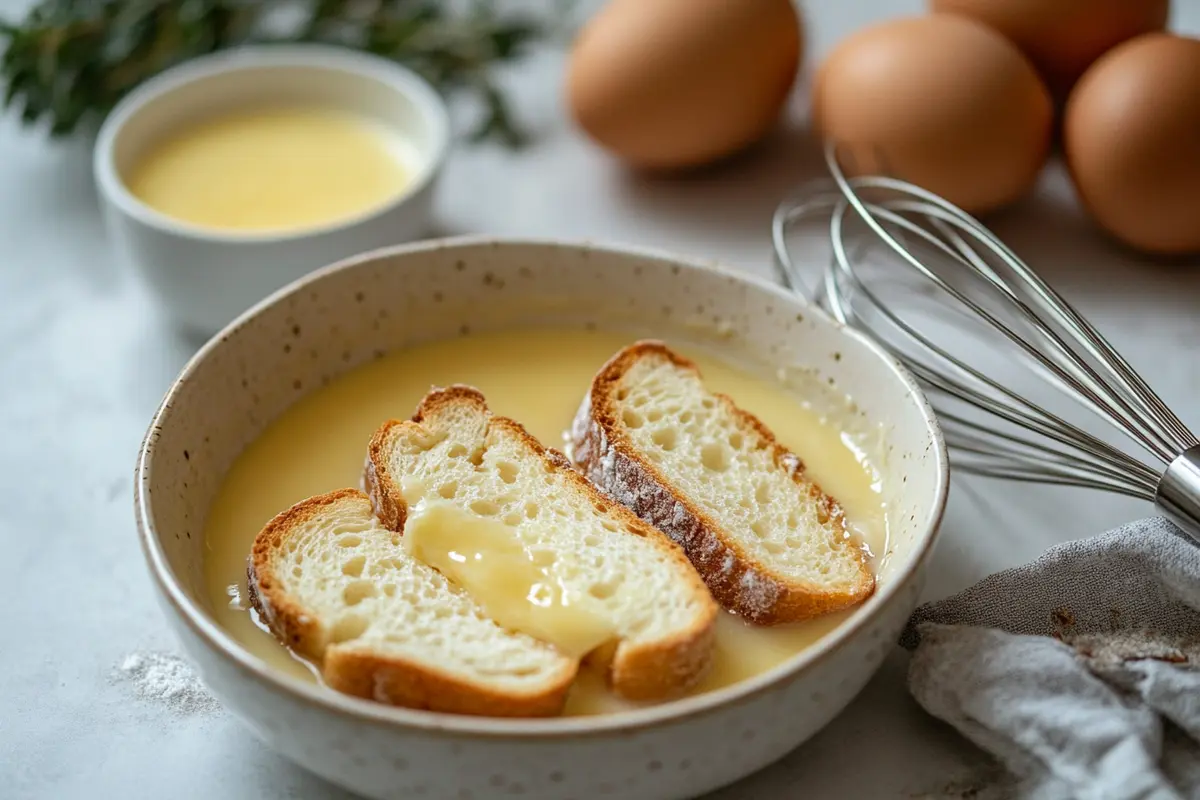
[(1062, 361), (978, 282)]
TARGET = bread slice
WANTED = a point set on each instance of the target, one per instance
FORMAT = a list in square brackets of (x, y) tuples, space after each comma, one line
[(769, 543), (658, 607), (339, 589)]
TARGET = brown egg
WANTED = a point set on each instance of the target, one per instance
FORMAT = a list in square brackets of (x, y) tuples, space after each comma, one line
[(678, 83), (941, 101), (1063, 37), (1131, 134)]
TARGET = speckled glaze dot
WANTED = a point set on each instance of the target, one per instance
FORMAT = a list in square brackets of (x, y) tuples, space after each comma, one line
[(378, 304)]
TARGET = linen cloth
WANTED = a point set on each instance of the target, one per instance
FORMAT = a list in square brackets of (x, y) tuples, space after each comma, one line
[(1080, 672)]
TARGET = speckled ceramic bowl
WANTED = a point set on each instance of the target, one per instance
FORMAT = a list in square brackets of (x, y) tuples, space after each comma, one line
[(350, 313)]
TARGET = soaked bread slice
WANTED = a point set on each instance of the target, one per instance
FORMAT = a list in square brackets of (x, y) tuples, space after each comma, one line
[(769, 543), (626, 572), (340, 589)]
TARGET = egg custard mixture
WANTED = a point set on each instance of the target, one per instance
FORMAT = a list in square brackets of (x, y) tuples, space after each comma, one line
[(273, 170), (538, 378)]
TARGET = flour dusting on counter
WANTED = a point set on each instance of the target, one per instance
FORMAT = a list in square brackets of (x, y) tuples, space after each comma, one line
[(167, 679)]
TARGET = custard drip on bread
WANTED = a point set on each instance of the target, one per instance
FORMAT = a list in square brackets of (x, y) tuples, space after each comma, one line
[(340, 590), (630, 574)]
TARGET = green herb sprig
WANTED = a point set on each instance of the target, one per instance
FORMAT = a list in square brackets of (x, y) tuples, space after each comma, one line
[(69, 61)]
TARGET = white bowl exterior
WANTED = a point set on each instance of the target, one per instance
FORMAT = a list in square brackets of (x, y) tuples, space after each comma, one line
[(206, 278), (357, 311), (681, 759)]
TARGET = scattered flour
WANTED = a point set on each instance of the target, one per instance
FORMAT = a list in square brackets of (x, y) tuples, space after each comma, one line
[(169, 680)]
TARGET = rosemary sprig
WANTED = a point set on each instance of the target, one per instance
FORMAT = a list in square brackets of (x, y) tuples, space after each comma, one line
[(69, 61)]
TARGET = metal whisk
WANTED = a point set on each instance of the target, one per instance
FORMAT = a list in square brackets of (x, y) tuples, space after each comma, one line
[(942, 266)]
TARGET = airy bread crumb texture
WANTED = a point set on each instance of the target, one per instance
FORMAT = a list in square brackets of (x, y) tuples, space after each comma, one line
[(629, 572), (336, 573), (720, 460), (769, 543)]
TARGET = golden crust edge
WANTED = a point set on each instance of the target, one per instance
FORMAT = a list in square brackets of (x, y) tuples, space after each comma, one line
[(795, 601), (384, 679), (649, 671)]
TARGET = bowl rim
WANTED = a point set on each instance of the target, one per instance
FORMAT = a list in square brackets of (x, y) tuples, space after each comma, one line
[(671, 712), (356, 64)]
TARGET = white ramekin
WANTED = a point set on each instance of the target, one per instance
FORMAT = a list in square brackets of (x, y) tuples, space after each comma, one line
[(205, 278)]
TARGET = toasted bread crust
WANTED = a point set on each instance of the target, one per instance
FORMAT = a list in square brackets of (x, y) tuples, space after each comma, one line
[(736, 580), (399, 682), (284, 615), (637, 671), (353, 668), (386, 498)]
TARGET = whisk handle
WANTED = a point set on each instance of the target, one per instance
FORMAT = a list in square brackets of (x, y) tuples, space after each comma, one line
[(1178, 493)]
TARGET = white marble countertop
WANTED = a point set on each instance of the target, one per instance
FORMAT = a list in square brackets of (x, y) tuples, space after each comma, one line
[(84, 360)]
